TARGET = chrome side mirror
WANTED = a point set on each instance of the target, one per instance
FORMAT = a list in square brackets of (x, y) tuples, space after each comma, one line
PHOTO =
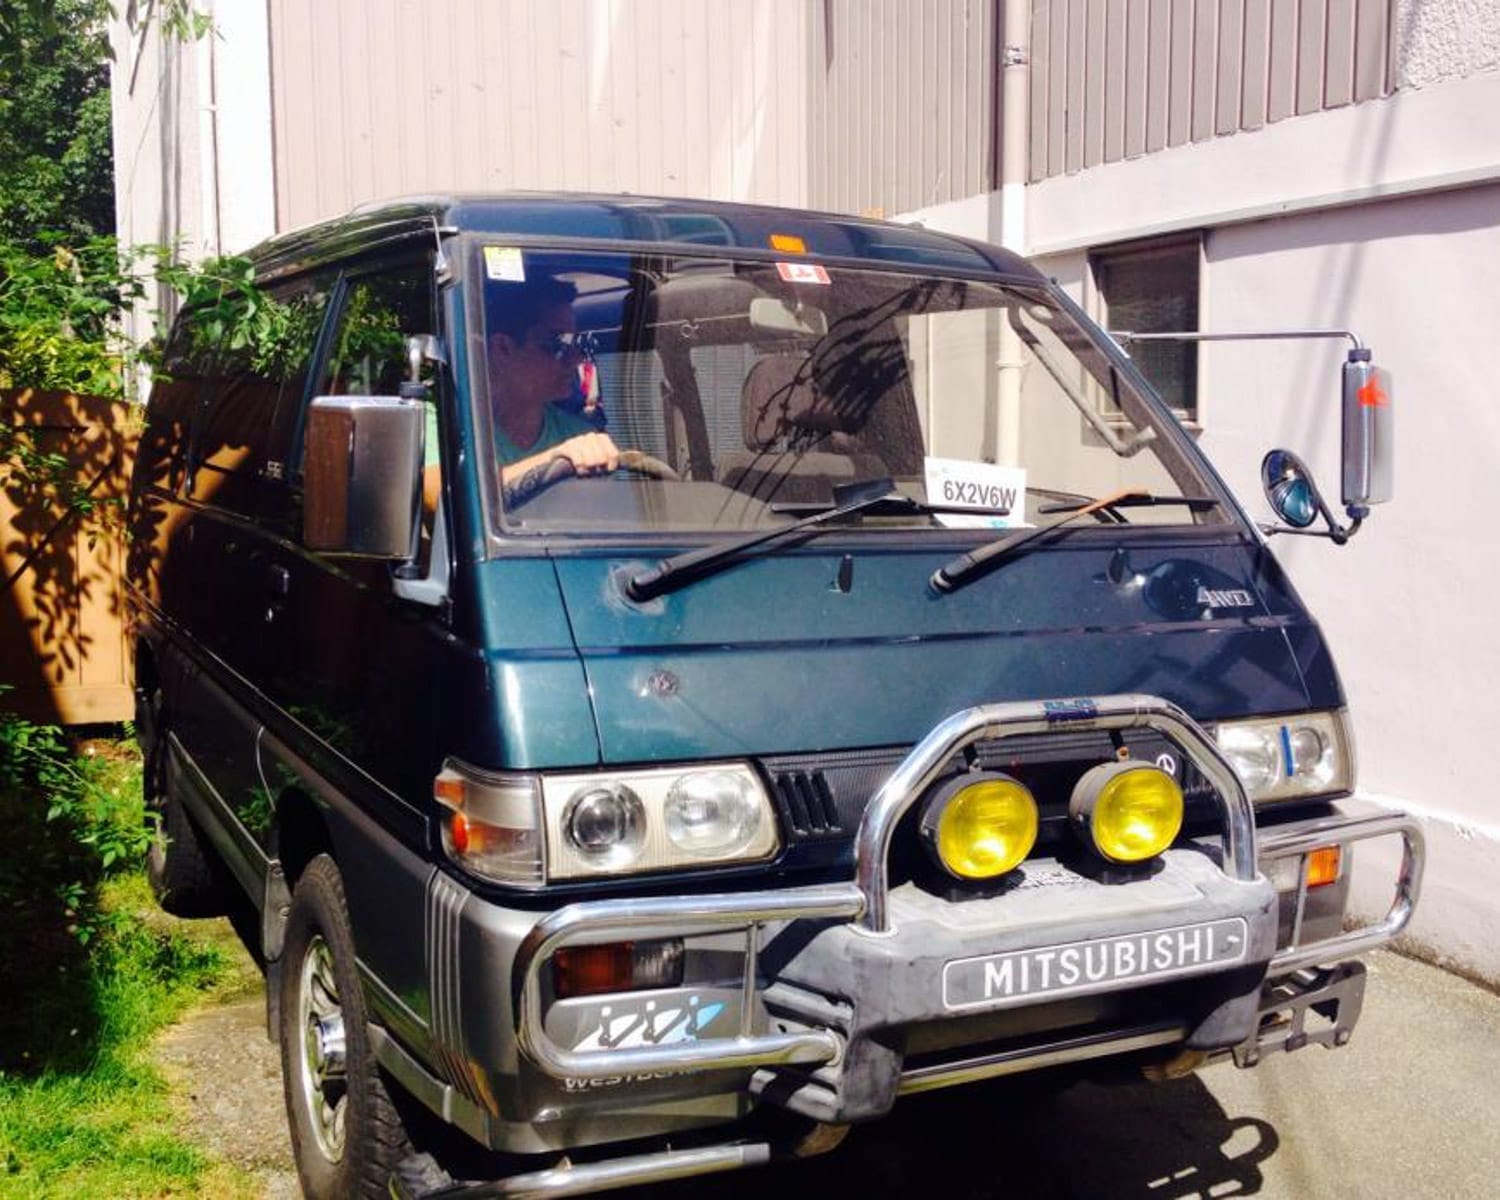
[(1369, 435), (362, 476)]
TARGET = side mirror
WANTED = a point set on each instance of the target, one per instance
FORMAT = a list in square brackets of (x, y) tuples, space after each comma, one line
[(1294, 497), (362, 476), (1369, 434), (1290, 489)]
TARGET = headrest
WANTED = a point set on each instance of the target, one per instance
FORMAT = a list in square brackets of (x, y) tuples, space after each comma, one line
[(779, 398)]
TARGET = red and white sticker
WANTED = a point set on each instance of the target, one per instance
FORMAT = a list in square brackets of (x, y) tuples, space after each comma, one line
[(796, 272)]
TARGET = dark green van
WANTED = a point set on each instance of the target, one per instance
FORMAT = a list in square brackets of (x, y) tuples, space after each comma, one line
[(666, 679)]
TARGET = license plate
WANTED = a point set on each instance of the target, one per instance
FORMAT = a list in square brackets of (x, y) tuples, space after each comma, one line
[(1096, 965)]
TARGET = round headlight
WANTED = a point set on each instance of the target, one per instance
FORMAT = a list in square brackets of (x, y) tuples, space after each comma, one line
[(1255, 754), (1311, 753), (606, 824), (712, 813), (980, 826), (1131, 811)]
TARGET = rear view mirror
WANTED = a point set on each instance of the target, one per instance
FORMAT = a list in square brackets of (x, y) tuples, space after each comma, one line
[(778, 316), (1369, 429), (362, 476)]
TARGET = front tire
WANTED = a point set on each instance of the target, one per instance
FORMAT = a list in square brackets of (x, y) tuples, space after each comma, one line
[(347, 1136)]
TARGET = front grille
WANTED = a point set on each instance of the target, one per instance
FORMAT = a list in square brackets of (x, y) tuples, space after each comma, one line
[(823, 796)]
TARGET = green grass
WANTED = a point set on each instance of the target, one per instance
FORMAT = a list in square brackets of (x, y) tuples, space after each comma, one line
[(92, 971)]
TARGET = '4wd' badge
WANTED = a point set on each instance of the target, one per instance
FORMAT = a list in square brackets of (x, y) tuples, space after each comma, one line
[(1225, 598)]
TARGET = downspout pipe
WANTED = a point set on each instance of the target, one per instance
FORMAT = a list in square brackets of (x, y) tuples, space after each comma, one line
[(1015, 121), (1003, 431)]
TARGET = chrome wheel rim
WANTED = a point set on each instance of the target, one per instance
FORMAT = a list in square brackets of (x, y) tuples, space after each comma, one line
[(321, 1063)]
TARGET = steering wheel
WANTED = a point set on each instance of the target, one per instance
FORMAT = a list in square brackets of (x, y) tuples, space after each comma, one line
[(642, 463), (537, 481)]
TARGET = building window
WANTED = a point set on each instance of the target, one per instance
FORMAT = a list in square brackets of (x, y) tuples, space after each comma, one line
[(1152, 287)]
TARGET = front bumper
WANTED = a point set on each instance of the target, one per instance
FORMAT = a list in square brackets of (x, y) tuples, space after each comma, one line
[(843, 984)]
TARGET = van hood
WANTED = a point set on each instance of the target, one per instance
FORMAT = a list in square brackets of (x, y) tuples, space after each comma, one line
[(821, 649)]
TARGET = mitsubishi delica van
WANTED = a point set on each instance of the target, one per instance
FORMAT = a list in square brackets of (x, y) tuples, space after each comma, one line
[(670, 679)]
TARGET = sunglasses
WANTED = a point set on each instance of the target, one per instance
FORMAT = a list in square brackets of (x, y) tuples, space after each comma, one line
[(583, 346)]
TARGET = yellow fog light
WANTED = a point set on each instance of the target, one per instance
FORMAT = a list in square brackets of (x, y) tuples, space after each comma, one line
[(1130, 811), (981, 825)]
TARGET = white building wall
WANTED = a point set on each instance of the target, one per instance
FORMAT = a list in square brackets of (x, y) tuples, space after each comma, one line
[(379, 98), (1383, 218)]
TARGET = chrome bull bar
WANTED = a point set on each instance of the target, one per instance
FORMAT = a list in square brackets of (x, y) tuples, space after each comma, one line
[(865, 901), (1344, 830), (990, 722)]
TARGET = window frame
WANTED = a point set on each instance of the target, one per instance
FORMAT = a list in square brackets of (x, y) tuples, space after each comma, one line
[(1100, 259)]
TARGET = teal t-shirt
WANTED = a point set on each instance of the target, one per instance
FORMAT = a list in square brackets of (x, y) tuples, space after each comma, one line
[(558, 425)]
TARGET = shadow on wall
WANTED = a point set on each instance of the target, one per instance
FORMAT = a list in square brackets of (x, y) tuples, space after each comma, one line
[(65, 464)]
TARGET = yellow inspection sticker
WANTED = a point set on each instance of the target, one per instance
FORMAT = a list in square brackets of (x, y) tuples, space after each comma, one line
[(505, 263)]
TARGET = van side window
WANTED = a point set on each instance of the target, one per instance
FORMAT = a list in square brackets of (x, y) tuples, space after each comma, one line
[(368, 356), (378, 314), (243, 361)]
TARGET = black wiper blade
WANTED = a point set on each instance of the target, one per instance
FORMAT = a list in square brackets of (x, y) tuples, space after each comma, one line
[(682, 569), (960, 570), (1130, 500)]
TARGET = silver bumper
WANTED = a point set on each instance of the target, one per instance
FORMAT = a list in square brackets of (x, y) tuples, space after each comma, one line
[(865, 905)]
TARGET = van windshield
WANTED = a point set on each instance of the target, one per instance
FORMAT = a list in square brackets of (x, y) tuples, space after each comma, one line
[(738, 394)]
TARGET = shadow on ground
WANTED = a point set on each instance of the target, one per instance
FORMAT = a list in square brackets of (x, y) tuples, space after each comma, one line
[(1163, 1141)]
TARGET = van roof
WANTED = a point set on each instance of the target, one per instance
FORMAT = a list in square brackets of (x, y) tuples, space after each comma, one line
[(634, 220)]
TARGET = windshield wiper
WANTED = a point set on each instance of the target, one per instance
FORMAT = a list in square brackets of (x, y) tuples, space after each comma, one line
[(965, 567), (848, 499), (1132, 499)]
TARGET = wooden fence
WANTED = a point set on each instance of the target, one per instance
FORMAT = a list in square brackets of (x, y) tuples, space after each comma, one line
[(64, 654)]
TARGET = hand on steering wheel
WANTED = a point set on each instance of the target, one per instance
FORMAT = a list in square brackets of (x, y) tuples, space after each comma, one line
[(562, 466)]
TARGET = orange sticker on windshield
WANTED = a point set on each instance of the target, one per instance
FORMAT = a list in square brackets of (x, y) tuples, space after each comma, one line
[(801, 272)]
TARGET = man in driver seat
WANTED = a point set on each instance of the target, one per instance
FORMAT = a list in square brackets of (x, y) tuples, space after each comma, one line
[(533, 361)]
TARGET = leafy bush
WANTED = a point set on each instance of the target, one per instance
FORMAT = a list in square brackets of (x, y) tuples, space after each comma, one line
[(92, 971)]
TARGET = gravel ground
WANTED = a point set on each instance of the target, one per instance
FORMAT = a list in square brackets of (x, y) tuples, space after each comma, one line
[(1411, 1108)]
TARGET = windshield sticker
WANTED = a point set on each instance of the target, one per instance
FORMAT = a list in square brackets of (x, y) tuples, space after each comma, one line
[(996, 494), (504, 263), (801, 272)]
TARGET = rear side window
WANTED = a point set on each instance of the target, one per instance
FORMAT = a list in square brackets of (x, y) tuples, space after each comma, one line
[(240, 364)]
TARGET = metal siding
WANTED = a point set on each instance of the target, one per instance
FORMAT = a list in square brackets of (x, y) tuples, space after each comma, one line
[(1148, 74), (374, 98), (1137, 66), (1077, 67), (1253, 82), (1158, 74), (1180, 74), (1040, 70), (1371, 35), (1093, 82), (1205, 47), (1281, 87), (1311, 24), (1057, 88), (1338, 83), (1231, 59), (1115, 69)]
